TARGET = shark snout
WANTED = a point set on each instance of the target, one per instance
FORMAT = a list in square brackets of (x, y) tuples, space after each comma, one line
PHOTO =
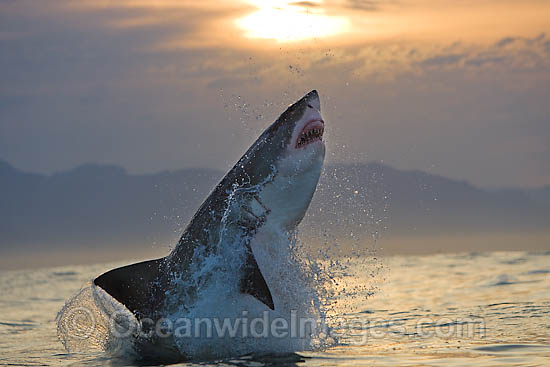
[(312, 99)]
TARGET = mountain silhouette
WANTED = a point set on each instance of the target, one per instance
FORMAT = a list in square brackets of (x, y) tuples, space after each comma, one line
[(102, 207)]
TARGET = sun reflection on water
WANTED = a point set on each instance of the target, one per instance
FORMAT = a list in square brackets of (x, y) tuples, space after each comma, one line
[(287, 21)]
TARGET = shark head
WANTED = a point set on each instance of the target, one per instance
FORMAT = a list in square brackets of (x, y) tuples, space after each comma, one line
[(286, 161), (293, 143)]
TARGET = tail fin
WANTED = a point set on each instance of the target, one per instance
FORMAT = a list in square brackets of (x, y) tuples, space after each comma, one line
[(134, 285)]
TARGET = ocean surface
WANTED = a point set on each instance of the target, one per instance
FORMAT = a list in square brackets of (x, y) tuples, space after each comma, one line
[(482, 309)]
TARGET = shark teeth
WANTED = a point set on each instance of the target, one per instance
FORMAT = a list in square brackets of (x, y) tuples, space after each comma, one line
[(308, 136)]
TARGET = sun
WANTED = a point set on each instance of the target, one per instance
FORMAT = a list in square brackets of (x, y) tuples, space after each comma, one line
[(287, 21)]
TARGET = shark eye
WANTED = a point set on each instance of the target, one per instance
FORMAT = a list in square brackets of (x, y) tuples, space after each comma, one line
[(310, 106)]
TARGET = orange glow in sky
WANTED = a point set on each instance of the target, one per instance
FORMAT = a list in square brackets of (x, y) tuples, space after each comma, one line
[(286, 21)]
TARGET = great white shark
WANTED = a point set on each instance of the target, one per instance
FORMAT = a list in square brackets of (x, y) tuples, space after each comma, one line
[(268, 190)]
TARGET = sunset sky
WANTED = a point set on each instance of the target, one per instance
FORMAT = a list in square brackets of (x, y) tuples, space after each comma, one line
[(458, 88)]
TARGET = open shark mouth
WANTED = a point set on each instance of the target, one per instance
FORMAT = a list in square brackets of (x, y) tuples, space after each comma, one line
[(312, 132)]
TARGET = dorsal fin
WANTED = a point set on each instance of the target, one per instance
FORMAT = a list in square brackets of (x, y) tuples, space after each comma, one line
[(134, 285), (253, 281)]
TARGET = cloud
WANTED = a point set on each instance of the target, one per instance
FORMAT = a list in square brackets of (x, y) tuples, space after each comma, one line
[(483, 60), (505, 41), (305, 4), (366, 5), (535, 40), (442, 60), (82, 85)]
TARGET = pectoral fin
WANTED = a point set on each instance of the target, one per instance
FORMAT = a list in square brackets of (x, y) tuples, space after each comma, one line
[(253, 281)]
